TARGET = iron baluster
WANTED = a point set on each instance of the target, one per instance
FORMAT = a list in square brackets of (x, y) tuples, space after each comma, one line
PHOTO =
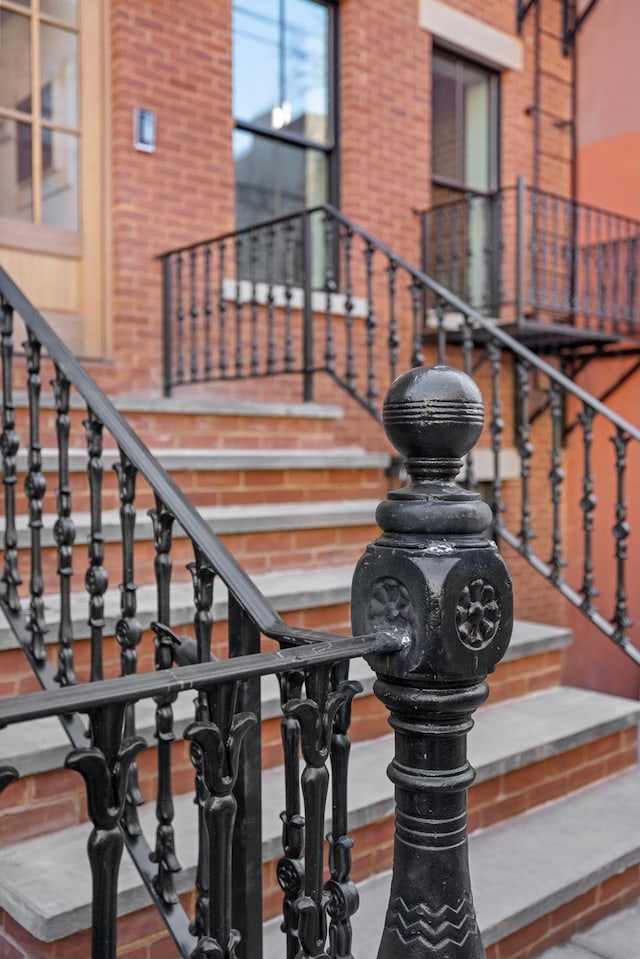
[(290, 869), (556, 479), (96, 578), (35, 488), (315, 714), (576, 271), (193, 311), (162, 520), (271, 338), (128, 630), (555, 246), (393, 341), (496, 428), (442, 333), (470, 480), (525, 452), (343, 895), (350, 368), (634, 286), (600, 281), (621, 532), (180, 317), (203, 580), (488, 298), (10, 442), (238, 307), (288, 294), (223, 363), (534, 271), (417, 356), (454, 257), (164, 853), (568, 251), (64, 531), (329, 289), (254, 238), (588, 505), (586, 308), (371, 323), (244, 640), (444, 590), (544, 252), (218, 745), (208, 310), (440, 231), (105, 767)]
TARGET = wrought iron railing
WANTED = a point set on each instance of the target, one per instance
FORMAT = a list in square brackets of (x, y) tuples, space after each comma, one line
[(374, 313), (431, 660), (526, 255)]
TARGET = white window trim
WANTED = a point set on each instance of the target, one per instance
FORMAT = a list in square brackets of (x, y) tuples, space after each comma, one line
[(471, 37)]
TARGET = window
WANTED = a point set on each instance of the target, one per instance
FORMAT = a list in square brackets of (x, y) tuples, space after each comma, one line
[(283, 103), (460, 234), (464, 127), (39, 112)]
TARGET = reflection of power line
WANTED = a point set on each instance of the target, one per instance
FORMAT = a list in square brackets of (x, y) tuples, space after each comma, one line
[(290, 25), (293, 52)]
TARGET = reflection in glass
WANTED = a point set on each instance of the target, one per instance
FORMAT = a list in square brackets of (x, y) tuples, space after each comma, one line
[(15, 67), (66, 10), (280, 65), (274, 178), (16, 199), (59, 72), (60, 179)]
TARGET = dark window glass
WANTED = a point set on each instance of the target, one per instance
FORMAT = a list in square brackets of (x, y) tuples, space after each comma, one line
[(464, 123)]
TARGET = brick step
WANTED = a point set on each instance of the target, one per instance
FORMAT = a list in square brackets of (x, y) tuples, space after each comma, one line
[(50, 795), (509, 739), (204, 421), (539, 877), (227, 476), (616, 937), (261, 537)]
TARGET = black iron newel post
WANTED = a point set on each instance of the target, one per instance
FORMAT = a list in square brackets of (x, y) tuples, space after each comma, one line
[(435, 577)]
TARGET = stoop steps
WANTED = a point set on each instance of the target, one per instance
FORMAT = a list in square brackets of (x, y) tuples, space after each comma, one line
[(554, 842)]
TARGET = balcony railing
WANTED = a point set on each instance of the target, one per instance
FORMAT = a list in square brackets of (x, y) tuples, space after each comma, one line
[(528, 256)]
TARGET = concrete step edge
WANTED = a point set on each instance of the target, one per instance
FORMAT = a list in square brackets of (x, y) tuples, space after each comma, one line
[(251, 518), (200, 406), (225, 460), (49, 916)]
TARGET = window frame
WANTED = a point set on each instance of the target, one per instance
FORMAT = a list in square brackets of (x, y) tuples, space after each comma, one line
[(35, 233), (494, 145), (330, 146)]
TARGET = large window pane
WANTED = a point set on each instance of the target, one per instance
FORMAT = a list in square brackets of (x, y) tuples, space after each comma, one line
[(274, 178), (476, 130), (16, 198), (59, 75), (444, 120), (15, 75), (280, 58), (60, 179)]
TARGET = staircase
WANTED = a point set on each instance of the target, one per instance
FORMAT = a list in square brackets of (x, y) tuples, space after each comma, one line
[(554, 843)]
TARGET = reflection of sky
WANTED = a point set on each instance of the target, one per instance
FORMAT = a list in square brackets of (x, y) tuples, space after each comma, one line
[(261, 78)]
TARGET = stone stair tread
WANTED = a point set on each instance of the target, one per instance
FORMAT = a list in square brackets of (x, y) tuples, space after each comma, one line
[(530, 728), (225, 459), (222, 519), (206, 405), (525, 867), (41, 745)]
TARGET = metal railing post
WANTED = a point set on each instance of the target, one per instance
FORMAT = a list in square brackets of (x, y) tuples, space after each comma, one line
[(520, 248), (166, 326), (435, 580), (307, 332)]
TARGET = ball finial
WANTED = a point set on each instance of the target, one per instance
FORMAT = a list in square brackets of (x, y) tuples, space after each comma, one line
[(433, 413)]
